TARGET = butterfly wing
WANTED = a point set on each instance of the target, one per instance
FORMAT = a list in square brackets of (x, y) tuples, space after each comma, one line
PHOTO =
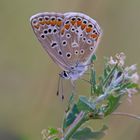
[(68, 38), (80, 36), (46, 27)]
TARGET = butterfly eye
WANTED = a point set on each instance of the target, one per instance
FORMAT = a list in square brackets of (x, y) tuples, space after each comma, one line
[(65, 74), (68, 55), (64, 42)]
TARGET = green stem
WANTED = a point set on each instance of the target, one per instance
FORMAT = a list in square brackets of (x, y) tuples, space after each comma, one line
[(81, 118), (126, 114)]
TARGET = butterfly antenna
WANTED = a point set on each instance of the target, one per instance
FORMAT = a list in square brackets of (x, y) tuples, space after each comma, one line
[(62, 91), (58, 86)]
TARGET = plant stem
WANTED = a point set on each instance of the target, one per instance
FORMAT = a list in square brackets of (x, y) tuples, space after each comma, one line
[(127, 114), (81, 118)]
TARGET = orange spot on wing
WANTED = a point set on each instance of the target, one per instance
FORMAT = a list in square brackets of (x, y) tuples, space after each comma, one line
[(88, 29), (58, 23), (36, 26), (67, 26), (62, 31), (53, 22), (73, 22), (94, 36), (79, 23), (47, 22), (42, 22), (83, 26)]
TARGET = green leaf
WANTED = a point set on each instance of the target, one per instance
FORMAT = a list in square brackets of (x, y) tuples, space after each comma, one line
[(128, 86), (85, 105), (93, 58), (113, 103), (88, 134), (107, 79), (52, 131), (133, 85), (93, 81), (70, 117)]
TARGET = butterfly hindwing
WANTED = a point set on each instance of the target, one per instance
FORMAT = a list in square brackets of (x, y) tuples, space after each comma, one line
[(81, 35)]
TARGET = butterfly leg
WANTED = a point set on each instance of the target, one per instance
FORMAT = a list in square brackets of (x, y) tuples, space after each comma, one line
[(60, 87)]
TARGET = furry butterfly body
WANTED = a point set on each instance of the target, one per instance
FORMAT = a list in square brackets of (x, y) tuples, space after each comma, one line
[(70, 39)]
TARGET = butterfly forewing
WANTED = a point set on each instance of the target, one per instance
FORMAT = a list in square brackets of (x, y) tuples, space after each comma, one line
[(47, 28)]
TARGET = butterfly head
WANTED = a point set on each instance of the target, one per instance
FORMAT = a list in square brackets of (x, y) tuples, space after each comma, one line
[(75, 72)]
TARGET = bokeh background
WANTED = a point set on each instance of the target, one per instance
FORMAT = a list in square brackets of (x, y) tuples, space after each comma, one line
[(28, 77)]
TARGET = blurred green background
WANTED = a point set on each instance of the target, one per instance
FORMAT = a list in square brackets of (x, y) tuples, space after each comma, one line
[(28, 77)]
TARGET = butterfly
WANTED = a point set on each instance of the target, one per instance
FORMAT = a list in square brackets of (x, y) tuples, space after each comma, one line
[(70, 39)]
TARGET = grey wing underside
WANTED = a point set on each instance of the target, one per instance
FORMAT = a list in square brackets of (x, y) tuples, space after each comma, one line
[(76, 42), (39, 27)]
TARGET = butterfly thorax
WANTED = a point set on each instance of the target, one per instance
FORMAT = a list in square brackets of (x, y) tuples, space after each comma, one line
[(74, 73)]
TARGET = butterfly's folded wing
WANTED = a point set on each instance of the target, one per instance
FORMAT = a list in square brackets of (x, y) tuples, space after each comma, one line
[(46, 27), (68, 38)]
